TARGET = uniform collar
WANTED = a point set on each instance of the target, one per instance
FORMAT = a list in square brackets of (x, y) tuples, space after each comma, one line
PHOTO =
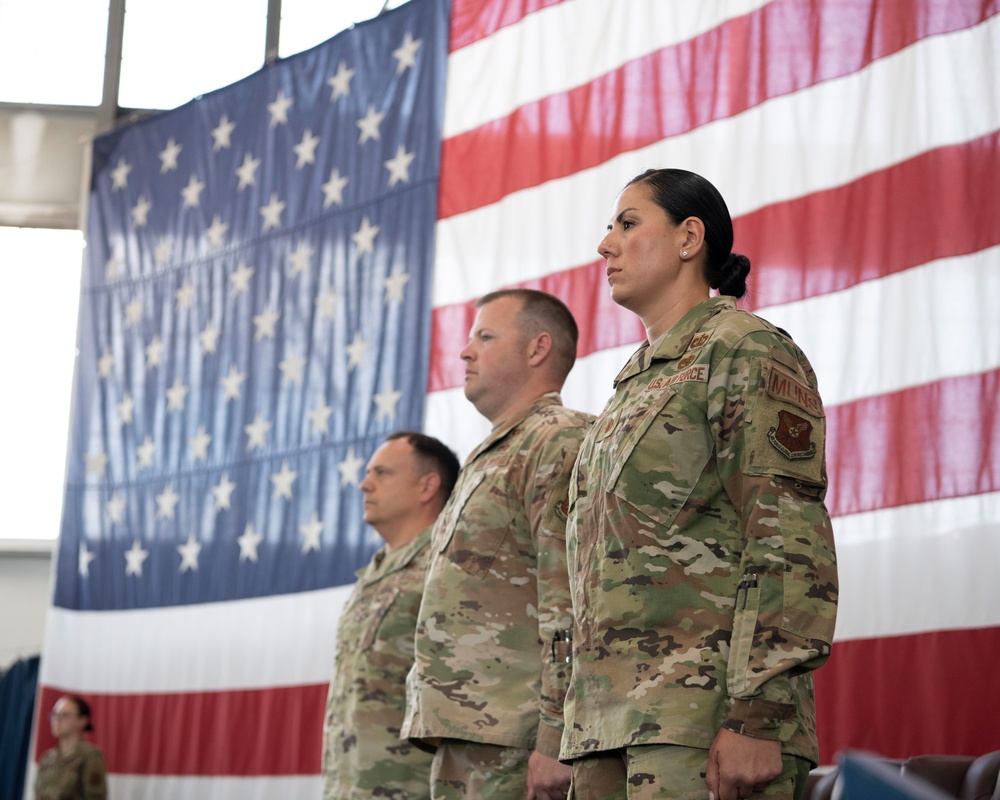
[(386, 561), (505, 426), (675, 341)]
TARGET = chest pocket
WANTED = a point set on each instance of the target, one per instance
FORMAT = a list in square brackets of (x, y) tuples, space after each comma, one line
[(368, 617), (477, 522), (657, 451)]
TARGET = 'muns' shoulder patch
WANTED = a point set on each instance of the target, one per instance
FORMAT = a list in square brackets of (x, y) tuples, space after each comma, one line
[(789, 389)]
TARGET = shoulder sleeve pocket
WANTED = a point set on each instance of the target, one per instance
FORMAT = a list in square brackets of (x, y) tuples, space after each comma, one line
[(787, 428)]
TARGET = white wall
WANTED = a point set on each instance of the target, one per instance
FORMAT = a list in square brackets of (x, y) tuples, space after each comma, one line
[(24, 600)]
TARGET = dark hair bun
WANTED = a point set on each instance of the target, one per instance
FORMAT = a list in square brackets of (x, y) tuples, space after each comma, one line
[(731, 278)]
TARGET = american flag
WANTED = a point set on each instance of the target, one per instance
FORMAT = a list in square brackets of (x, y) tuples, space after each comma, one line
[(857, 146), (255, 317), (856, 143)]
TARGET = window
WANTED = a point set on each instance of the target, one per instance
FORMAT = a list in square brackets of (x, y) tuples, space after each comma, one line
[(39, 297), (52, 51), (173, 52)]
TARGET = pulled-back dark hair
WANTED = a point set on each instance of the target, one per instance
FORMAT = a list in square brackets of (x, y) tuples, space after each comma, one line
[(682, 194), (434, 456), (82, 709)]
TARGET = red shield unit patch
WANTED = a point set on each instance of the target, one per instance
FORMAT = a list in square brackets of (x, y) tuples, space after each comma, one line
[(792, 437)]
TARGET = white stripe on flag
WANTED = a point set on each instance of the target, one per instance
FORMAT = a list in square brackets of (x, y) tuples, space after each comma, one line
[(557, 225), (485, 82), (286, 640)]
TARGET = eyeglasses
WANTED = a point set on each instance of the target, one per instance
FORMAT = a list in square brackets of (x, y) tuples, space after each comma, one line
[(61, 715)]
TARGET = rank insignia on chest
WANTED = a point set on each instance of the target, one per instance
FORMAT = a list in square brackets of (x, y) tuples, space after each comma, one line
[(686, 361), (792, 436)]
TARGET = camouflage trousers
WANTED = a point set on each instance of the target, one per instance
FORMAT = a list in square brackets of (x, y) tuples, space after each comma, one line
[(667, 772), (475, 771)]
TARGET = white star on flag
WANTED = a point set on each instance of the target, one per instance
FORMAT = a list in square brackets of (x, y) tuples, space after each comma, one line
[(223, 492), (232, 383), (327, 304), (97, 463), (257, 432), (341, 82), (279, 108), (249, 542), (394, 284), (166, 502), (119, 175), (349, 468), (163, 250), (134, 558), (306, 149), (184, 295), (319, 418), (83, 563), (283, 481), (199, 444), (239, 281), (299, 258), (272, 213), (168, 156), (264, 324), (209, 338), (356, 351), (311, 532), (406, 53), (399, 167), (115, 507), (247, 172), (364, 237), (105, 364), (144, 453), (291, 369), (154, 352), (369, 125), (189, 553), (215, 232), (192, 192), (140, 212), (222, 133), (386, 402), (333, 189), (113, 268), (125, 408), (133, 311), (176, 395)]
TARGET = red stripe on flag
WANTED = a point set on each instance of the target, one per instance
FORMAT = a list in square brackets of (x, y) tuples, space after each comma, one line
[(275, 731), (949, 431), (903, 695), (802, 248), (914, 212), (472, 20), (683, 87)]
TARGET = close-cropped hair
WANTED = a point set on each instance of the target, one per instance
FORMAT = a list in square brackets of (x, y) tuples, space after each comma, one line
[(542, 312), (432, 455)]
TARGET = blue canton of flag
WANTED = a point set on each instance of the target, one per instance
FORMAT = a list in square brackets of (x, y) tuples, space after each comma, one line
[(255, 318)]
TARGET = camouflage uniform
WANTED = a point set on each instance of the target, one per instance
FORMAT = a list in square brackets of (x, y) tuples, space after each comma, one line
[(80, 775), (497, 591), (701, 554), (362, 754)]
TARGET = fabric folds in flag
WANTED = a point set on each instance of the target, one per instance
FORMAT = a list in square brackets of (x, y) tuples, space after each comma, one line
[(857, 147), (255, 318)]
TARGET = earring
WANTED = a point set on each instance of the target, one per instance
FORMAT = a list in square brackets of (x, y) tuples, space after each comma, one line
[(684, 254)]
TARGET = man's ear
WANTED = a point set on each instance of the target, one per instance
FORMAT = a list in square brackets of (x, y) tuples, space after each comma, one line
[(539, 348), (430, 485)]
